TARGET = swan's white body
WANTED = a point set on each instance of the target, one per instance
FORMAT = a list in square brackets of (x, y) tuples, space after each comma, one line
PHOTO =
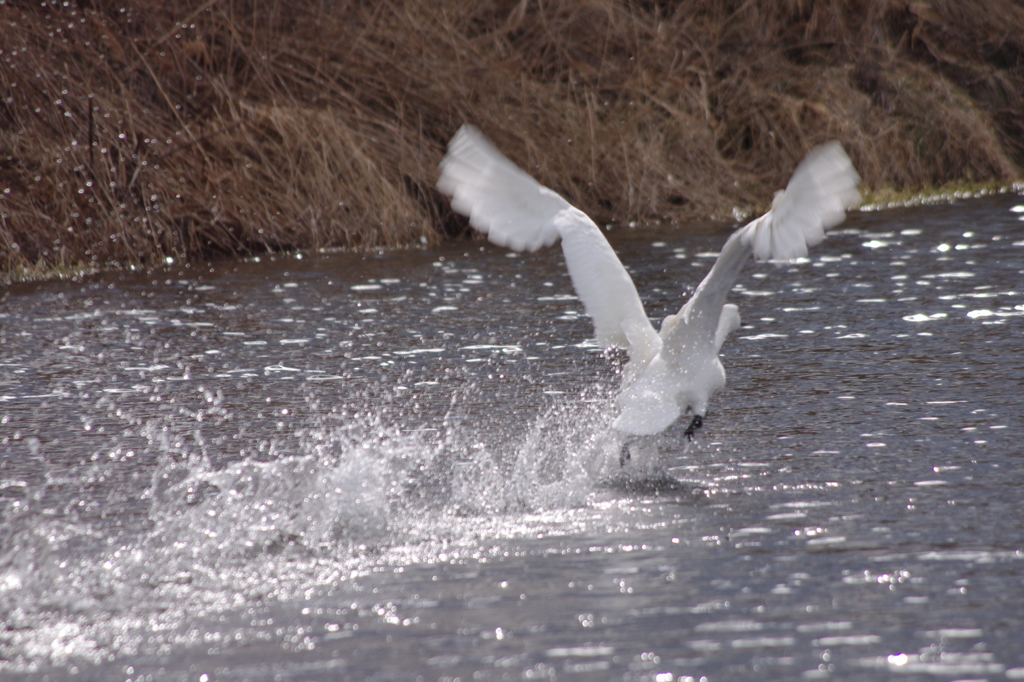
[(677, 369)]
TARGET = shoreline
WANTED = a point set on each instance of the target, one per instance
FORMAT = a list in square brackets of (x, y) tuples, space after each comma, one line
[(885, 200), (202, 129)]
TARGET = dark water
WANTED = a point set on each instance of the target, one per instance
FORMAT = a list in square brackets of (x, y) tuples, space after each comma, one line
[(398, 466)]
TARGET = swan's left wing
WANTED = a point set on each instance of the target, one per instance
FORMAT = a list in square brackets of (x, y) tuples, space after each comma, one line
[(516, 211), (500, 200), (605, 288)]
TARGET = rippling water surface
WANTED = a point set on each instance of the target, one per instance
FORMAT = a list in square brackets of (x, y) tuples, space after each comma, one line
[(399, 465)]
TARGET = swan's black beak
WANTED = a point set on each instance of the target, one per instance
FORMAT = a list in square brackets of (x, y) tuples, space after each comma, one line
[(695, 424)]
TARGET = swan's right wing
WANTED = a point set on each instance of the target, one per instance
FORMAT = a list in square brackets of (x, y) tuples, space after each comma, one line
[(822, 188), (704, 321), (517, 212)]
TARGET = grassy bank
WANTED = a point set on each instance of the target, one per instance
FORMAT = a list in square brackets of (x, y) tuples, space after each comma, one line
[(139, 130)]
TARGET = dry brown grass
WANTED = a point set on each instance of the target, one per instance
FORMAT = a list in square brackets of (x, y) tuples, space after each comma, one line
[(138, 130)]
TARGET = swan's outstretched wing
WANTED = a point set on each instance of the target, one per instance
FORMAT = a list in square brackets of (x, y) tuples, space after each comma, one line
[(699, 328), (500, 200), (605, 288), (516, 211), (822, 188)]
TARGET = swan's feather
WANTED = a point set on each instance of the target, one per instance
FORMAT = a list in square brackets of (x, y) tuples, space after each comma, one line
[(728, 322), (823, 187), (517, 212), (502, 201)]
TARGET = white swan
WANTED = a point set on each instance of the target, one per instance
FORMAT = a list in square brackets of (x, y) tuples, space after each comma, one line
[(677, 370)]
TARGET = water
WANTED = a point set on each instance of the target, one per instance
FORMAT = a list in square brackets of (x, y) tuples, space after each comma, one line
[(399, 465)]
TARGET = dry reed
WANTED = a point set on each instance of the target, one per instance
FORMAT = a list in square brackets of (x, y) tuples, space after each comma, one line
[(139, 130)]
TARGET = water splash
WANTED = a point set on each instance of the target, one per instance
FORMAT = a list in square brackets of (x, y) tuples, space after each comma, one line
[(327, 507)]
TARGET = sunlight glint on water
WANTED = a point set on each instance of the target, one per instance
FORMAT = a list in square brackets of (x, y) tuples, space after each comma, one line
[(400, 464)]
